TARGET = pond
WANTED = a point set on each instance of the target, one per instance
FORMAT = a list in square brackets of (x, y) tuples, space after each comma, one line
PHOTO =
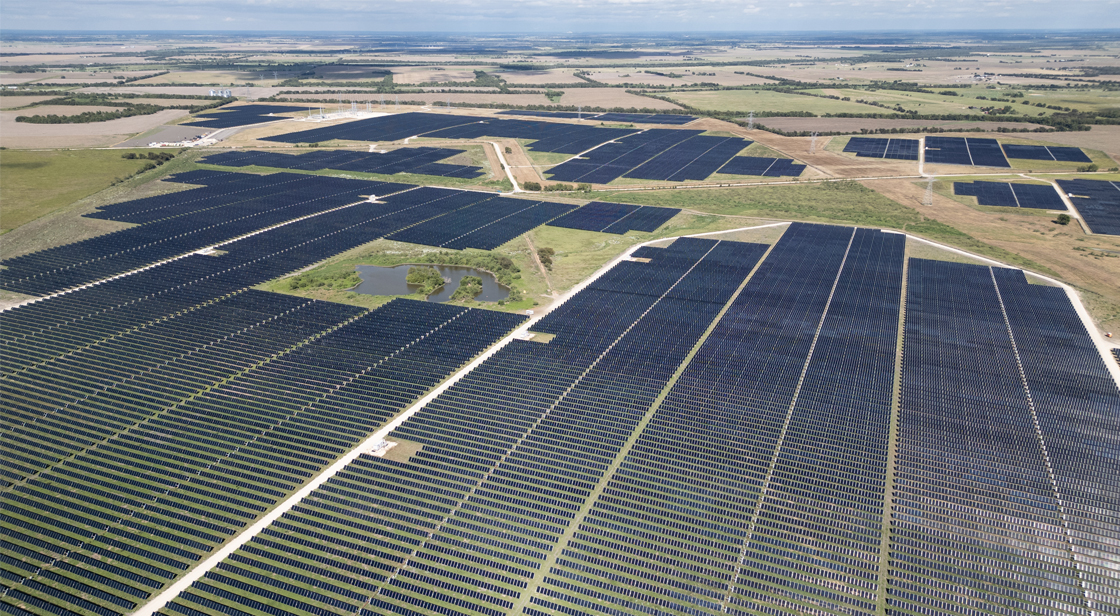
[(377, 280)]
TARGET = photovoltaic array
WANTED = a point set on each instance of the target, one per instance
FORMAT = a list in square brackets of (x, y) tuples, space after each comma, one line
[(617, 218), (900, 149), (177, 224), (768, 167), (640, 118), (656, 154), (405, 160), (474, 219), (1097, 201), (715, 431), (1007, 194), (1043, 152), (548, 136), (243, 115), (1004, 493), (645, 118), (962, 151), (192, 428)]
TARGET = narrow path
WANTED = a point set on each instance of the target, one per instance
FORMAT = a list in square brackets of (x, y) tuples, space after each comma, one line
[(1072, 209), (505, 166), (540, 266)]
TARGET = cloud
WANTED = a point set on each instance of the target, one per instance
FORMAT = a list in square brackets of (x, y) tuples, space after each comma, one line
[(555, 15)]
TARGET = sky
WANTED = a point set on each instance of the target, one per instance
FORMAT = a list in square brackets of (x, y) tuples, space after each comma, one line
[(516, 16)]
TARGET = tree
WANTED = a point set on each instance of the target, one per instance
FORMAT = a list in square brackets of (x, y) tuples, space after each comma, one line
[(531, 186), (545, 254), (1063, 219), (509, 150)]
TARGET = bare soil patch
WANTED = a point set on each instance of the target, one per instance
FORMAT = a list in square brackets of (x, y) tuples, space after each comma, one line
[(95, 134), (611, 97), (1065, 250)]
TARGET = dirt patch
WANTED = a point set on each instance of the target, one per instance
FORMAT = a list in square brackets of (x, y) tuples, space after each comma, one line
[(1069, 254), (1104, 138), (95, 134), (165, 134), (855, 125), (611, 97)]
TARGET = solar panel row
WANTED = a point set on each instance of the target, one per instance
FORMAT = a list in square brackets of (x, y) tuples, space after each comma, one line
[(1097, 201), (508, 454), (1007, 194), (962, 151), (625, 156), (480, 220), (548, 136), (1042, 152), (61, 324), (900, 149), (406, 160), (243, 115), (979, 499), (195, 451), (618, 218), (179, 223), (767, 167), (692, 159)]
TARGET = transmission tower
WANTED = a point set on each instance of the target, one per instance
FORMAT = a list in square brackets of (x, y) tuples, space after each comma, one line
[(928, 200), (750, 121), (580, 116), (398, 101), (813, 145), (382, 100)]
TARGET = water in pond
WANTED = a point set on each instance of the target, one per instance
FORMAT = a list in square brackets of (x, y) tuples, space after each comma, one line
[(378, 280)]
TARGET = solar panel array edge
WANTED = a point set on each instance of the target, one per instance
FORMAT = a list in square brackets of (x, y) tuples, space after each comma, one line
[(1097, 201), (421, 160)]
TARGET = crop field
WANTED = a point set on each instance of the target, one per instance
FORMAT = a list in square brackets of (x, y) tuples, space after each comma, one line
[(760, 100), (38, 183)]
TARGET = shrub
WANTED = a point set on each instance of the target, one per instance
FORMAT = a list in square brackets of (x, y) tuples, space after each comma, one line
[(535, 186)]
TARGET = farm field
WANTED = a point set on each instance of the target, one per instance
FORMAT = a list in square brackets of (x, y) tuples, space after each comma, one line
[(760, 100), (38, 183)]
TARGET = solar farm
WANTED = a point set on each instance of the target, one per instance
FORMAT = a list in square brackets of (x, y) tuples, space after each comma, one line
[(1008, 194), (736, 370), (1097, 201), (709, 427), (423, 161)]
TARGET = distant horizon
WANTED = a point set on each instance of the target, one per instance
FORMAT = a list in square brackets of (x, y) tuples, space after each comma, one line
[(489, 17), (635, 33)]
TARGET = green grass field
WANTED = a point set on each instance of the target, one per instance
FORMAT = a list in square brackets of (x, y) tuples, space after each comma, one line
[(37, 183)]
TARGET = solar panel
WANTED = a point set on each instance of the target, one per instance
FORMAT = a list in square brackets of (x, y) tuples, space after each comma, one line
[(1097, 201), (421, 160)]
